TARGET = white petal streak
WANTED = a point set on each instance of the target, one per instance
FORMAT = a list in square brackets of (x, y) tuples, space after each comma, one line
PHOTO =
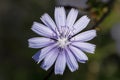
[(42, 30), (47, 20), (80, 24), (78, 54), (50, 59), (71, 61), (45, 51), (87, 47), (60, 17), (71, 18), (85, 36), (39, 42), (60, 63)]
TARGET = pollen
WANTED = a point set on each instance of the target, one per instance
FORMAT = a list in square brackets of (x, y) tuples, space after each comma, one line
[(62, 42)]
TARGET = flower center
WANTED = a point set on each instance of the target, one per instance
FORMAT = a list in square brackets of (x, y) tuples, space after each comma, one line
[(62, 42)]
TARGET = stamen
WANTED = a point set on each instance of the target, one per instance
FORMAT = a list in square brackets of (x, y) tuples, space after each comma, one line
[(62, 42)]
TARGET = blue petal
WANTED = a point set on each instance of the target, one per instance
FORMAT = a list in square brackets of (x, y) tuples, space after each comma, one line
[(47, 20), (71, 61), (36, 56), (80, 24), (84, 46), (39, 42), (42, 30), (71, 18), (60, 17), (50, 59), (85, 36), (60, 63), (80, 56), (82, 61), (45, 51)]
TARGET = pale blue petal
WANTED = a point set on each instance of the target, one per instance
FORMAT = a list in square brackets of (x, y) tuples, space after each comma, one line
[(80, 56), (50, 59), (71, 18), (47, 20), (80, 24), (39, 42), (87, 47), (60, 63), (36, 56), (42, 30), (85, 36), (45, 51), (60, 17), (71, 61), (82, 61)]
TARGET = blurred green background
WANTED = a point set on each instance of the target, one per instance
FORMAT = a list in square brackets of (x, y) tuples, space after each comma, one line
[(16, 18)]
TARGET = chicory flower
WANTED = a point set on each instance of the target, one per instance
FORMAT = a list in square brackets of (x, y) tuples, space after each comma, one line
[(61, 44)]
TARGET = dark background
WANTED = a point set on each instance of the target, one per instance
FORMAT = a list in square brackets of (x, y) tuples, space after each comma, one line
[(16, 18)]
